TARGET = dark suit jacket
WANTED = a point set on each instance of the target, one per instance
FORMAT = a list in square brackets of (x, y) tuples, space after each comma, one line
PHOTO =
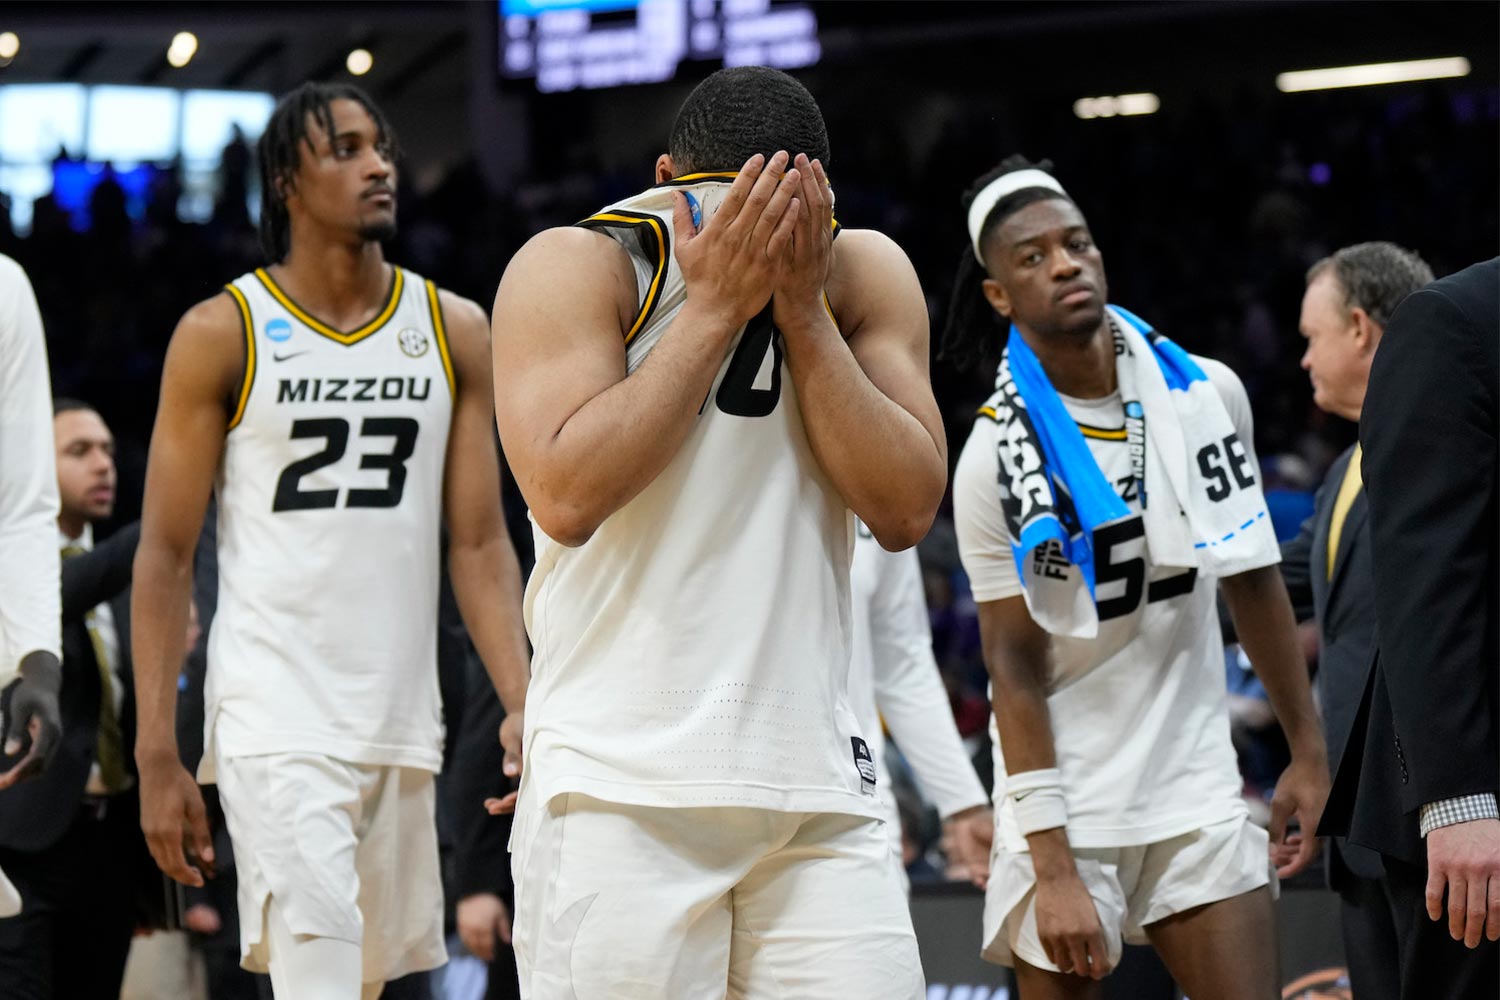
[(481, 855), (1428, 726), (1344, 609), (36, 813)]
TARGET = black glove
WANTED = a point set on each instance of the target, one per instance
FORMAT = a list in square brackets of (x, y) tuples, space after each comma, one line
[(31, 702)]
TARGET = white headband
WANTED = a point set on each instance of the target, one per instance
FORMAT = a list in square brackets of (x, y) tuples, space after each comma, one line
[(1000, 187)]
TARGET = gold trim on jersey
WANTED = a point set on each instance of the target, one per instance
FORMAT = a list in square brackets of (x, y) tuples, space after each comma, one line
[(663, 255), (353, 336), (711, 175), (442, 336), (1102, 433), (1087, 430), (249, 326)]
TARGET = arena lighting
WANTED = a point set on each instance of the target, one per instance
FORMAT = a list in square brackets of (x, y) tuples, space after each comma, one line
[(359, 62), (1109, 107), (9, 45), (180, 52), (1371, 74)]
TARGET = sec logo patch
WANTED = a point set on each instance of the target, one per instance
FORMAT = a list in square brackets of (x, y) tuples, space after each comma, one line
[(413, 342)]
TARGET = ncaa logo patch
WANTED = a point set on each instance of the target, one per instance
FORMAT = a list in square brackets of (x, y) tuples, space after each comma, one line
[(278, 330), (413, 342)]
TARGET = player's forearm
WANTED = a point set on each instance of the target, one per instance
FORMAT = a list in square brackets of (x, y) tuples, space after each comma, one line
[(885, 464), (487, 584), (1267, 629), (162, 587), (915, 706), (1025, 725), (618, 442)]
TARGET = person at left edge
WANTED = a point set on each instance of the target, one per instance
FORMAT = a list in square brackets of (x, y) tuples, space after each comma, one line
[(30, 637), (70, 839)]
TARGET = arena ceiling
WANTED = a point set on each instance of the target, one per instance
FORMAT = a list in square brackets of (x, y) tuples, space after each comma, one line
[(430, 51)]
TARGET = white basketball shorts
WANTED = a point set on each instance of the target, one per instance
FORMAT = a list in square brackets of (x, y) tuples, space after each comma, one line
[(619, 902), (348, 850), (1131, 886)]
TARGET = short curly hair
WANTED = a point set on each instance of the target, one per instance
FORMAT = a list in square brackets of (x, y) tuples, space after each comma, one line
[(744, 110)]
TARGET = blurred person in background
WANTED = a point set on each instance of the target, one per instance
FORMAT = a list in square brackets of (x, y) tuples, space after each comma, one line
[(71, 839), (894, 681), (1328, 566), (1421, 769), (1107, 486), (341, 408)]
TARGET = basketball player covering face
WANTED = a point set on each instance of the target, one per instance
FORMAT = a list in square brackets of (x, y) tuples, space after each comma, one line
[(696, 387), (340, 406), (1126, 727)]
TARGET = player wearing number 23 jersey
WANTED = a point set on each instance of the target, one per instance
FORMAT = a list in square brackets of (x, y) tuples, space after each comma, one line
[(330, 500), (341, 408)]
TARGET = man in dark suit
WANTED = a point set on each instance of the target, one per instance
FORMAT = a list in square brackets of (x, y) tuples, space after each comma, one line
[(1349, 299), (1419, 778), (71, 839)]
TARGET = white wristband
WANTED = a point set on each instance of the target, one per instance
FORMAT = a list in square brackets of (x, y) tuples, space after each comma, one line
[(1036, 800)]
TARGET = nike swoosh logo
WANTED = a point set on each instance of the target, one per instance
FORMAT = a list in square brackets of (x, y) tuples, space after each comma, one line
[(286, 357), (1021, 795)]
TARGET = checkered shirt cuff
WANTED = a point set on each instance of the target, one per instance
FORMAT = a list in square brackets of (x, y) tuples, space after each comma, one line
[(1463, 809)]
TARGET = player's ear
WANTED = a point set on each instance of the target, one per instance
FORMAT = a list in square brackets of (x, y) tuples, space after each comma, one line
[(994, 293), (665, 168)]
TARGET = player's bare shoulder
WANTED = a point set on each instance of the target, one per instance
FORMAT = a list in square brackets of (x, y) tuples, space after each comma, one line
[(870, 276), (567, 268), (468, 333), (212, 343)]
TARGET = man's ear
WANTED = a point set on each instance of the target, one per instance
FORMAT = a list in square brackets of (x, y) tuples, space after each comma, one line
[(665, 168), (1366, 331), (994, 293)]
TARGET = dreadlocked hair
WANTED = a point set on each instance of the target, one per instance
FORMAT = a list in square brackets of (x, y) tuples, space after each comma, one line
[(973, 335), (280, 151)]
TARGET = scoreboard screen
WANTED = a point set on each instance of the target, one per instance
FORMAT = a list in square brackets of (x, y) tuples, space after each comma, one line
[(573, 44)]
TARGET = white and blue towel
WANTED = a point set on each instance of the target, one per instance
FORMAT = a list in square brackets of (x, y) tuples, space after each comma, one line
[(1196, 515)]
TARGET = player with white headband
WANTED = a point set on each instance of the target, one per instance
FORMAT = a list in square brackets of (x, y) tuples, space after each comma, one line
[(1108, 485)]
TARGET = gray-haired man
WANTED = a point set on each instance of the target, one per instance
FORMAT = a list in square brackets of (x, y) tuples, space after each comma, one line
[(1350, 296)]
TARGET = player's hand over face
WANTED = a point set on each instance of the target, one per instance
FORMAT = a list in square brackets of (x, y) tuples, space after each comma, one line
[(174, 821), (1302, 792), (1465, 859), (482, 920), (1068, 924), (967, 837), (799, 294), (732, 265)]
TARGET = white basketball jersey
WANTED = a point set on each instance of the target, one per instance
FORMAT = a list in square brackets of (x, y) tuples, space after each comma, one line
[(695, 651), (1139, 722), (330, 503)]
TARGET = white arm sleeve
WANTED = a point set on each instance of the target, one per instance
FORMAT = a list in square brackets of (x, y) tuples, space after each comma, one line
[(909, 689), (30, 591), (983, 538)]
